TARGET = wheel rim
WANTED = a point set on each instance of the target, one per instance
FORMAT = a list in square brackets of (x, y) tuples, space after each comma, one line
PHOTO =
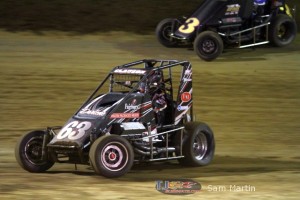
[(208, 46), (282, 31), (200, 146), (34, 150), (166, 32), (114, 156)]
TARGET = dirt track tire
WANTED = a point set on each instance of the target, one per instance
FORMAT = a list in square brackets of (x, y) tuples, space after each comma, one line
[(198, 145), (28, 152), (208, 45), (163, 31), (283, 30), (111, 156)]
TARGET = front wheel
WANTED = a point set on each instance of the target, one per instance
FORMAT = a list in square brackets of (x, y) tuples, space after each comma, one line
[(111, 156), (163, 32), (198, 145), (208, 45), (29, 151), (283, 30)]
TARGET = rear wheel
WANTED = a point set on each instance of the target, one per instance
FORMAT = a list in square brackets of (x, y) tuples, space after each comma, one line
[(283, 30), (29, 151), (198, 145), (111, 156), (208, 45), (163, 33)]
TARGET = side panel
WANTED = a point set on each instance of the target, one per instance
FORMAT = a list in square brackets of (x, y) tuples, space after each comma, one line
[(184, 97), (136, 108)]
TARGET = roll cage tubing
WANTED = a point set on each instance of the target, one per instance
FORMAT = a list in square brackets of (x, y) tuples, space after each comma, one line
[(171, 63)]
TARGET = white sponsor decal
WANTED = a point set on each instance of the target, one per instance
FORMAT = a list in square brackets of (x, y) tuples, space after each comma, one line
[(132, 126), (187, 79), (130, 71), (188, 72), (92, 112), (132, 107), (181, 108)]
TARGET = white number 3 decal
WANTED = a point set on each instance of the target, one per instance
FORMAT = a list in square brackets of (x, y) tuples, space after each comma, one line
[(74, 130), (189, 25)]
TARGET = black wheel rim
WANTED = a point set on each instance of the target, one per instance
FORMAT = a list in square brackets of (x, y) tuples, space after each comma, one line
[(208, 46), (33, 151), (166, 32), (282, 31), (200, 146), (114, 156)]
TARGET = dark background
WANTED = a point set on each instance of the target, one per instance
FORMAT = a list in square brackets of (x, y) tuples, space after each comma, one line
[(88, 16)]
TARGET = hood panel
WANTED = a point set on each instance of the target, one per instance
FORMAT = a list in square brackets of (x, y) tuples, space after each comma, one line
[(100, 114)]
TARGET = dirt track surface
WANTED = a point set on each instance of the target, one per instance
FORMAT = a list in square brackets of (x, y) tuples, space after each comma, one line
[(249, 97)]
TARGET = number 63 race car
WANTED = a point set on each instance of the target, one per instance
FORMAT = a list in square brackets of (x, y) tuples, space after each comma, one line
[(134, 115)]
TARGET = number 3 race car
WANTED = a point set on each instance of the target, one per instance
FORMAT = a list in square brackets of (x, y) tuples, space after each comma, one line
[(132, 116), (230, 23)]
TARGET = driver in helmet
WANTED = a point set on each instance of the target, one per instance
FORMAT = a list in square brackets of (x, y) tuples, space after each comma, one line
[(157, 91), (155, 86)]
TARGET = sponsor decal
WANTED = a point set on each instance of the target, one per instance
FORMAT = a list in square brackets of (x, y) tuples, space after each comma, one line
[(92, 112), (186, 97), (187, 79), (181, 108), (125, 115), (232, 20), (132, 126), (233, 9), (130, 71), (188, 72), (132, 105), (179, 186)]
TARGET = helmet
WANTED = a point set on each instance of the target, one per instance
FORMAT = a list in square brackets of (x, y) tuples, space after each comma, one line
[(142, 87), (155, 79)]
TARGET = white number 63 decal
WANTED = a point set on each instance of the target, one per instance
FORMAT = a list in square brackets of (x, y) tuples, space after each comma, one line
[(74, 130)]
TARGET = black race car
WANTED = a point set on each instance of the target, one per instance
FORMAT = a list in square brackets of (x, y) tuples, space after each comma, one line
[(134, 115), (230, 23)]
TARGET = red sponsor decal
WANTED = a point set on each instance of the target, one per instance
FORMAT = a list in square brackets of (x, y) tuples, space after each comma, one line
[(186, 97), (125, 115)]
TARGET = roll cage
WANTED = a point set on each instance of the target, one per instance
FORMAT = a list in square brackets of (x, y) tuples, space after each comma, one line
[(134, 74)]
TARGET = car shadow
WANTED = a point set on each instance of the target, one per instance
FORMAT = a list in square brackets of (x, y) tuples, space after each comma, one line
[(221, 166)]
